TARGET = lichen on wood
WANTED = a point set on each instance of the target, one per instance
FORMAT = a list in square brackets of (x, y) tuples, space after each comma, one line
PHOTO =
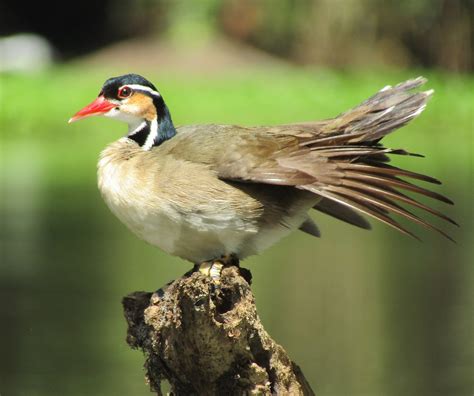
[(207, 339)]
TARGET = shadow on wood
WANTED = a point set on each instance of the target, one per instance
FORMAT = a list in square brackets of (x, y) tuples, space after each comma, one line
[(209, 340)]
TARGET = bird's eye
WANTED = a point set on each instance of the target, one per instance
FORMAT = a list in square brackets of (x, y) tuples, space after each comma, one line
[(124, 92)]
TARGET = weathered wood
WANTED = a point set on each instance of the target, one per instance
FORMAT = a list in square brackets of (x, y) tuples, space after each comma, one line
[(208, 340)]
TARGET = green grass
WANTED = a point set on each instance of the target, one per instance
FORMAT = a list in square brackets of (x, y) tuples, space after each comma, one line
[(38, 107)]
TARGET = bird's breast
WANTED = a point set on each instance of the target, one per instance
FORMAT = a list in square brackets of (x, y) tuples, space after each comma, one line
[(180, 207)]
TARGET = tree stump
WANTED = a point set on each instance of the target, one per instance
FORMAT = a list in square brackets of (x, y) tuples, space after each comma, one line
[(207, 339)]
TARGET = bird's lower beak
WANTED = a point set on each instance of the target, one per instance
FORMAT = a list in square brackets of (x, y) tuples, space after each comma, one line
[(97, 107)]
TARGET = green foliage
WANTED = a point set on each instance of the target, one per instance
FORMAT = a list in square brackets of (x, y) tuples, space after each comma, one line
[(336, 33)]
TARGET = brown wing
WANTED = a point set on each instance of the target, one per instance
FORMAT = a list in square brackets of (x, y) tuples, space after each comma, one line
[(240, 154), (339, 159)]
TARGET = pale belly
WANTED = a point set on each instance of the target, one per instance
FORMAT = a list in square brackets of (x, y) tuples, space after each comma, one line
[(195, 238), (202, 237), (190, 221)]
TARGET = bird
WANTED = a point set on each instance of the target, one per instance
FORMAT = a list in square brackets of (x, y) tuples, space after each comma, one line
[(216, 194)]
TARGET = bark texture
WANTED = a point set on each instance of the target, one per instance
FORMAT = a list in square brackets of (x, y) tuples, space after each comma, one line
[(208, 340)]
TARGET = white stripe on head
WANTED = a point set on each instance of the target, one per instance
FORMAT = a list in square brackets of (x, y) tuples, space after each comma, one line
[(150, 140), (139, 87)]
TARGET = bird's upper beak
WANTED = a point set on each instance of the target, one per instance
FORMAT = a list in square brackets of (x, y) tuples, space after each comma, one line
[(97, 107)]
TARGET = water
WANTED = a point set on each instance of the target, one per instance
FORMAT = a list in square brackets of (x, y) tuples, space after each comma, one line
[(361, 312)]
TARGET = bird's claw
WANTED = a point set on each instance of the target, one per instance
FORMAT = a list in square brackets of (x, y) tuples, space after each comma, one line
[(212, 269)]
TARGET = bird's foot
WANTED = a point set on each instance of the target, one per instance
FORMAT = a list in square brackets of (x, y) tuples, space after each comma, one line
[(213, 268)]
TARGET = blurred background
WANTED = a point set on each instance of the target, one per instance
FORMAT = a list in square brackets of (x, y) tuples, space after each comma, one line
[(363, 313)]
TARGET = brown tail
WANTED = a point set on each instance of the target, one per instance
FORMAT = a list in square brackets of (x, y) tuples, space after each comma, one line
[(354, 173), (387, 110)]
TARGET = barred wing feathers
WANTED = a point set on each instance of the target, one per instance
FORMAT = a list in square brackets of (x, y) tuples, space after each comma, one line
[(348, 166), (341, 160)]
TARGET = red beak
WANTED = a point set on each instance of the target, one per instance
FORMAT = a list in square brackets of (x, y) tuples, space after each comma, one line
[(97, 107)]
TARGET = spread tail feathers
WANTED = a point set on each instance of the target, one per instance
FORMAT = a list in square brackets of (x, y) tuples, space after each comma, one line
[(343, 161), (376, 117), (349, 165)]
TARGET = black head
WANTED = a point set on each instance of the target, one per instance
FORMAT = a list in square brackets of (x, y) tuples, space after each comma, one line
[(135, 100), (111, 87)]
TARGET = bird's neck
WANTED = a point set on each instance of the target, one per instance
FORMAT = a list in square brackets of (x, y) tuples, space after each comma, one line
[(151, 133)]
